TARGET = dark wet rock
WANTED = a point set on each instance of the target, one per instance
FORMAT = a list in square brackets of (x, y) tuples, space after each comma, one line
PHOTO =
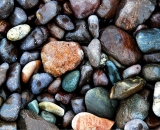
[(67, 118), (85, 88), (46, 97), (3, 72), (152, 57)]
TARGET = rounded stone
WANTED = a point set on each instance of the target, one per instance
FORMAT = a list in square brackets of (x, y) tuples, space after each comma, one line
[(57, 57), (97, 102), (3, 72), (67, 118), (33, 106), (52, 107), (48, 117), (70, 81), (55, 86), (18, 32)]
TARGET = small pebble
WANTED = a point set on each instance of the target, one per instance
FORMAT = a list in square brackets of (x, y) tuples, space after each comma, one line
[(152, 57), (85, 88), (117, 64), (46, 97), (28, 4), (48, 117), (3, 72), (4, 26), (104, 59), (67, 118), (52, 107), (55, 86), (18, 32), (33, 106)]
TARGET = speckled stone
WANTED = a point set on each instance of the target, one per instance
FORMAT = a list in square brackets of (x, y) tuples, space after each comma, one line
[(134, 107), (70, 81), (103, 60), (11, 107), (18, 32), (97, 102), (48, 117), (52, 107), (127, 87), (33, 121), (33, 106)]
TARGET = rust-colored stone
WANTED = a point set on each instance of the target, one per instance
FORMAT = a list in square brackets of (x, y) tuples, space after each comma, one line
[(58, 57), (88, 121)]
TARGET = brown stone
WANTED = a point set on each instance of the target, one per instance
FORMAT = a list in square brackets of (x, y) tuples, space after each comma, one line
[(88, 121), (84, 8), (4, 26), (54, 87), (155, 20), (120, 45), (131, 13), (58, 57)]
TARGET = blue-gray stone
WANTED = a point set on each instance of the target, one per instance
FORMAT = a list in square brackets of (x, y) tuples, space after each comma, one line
[(48, 116), (112, 72), (148, 40), (70, 81), (33, 106)]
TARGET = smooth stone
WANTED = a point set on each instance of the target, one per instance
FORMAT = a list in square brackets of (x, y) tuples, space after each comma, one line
[(155, 20), (54, 87), (100, 78), (134, 107), (18, 32), (117, 64), (55, 30), (48, 11), (85, 8), (107, 9), (78, 105), (85, 88), (52, 107), (152, 57), (33, 106), (39, 82), (26, 97), (28, 4), (29, 69), (3, 72), (27, 57), (35, 39), (70, 81), (48, 117), (4, 26), (156, 103), (120, 45), (6, 7), (66, 8), (93, 24), (148, 40), (46, 97), (80, 33), (64, 22), (8, 125), (112, 72), (151, 72), (86, 75), (29, 120), (18, 16), (104, 59), (57, 57), (136, 124), (8, 52), (11, 107), (67, 118), (64, 97), (94, 52), (91, 122), (127, 87), (131, 71), (103, 106), (13, 82), (131, 13)]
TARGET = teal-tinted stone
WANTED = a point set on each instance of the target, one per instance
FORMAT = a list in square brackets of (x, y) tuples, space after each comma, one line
[(70, 81), (97, 102), (48, 117), (112, 72), (148, 40), (33, 106)]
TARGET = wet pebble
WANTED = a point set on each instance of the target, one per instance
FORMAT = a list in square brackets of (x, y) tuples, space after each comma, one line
[(33, 106), (67, 118), (94, 52), (39, 82), (13, 82), (48, 117), (3, 72), (52, 107), (70, 81), (11, 107)]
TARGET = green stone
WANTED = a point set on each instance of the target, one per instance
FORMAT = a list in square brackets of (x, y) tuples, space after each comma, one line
[(70, 81), (48, 117), (33, 106), (97, 102)]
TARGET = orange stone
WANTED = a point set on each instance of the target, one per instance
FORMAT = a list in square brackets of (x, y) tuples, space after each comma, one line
[(88, 121), (58, 57)]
